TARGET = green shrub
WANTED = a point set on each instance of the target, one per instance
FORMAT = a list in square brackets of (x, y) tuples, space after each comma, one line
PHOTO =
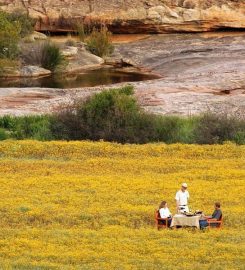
[(115, 115), (99, 42), (33, 127), (173, 129), (112, 115), (26, 22), (8, 66), (240, 136), (167, 128), (217, 128), (187, 134), (3, 134), (44, 54), (65, 124), (52, 57), (7, 122), (27, 127), (9, 37)]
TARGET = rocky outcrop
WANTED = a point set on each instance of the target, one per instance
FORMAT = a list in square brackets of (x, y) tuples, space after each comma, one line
[(33, 71), (201, 72), (138, 16)]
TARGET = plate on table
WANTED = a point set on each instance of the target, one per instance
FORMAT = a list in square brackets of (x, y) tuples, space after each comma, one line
[(198, 212), (189, 214)]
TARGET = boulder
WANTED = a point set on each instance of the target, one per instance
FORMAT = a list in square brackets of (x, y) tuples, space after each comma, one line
[(38, 36), (84, 60), (33, 71), (69, 51)]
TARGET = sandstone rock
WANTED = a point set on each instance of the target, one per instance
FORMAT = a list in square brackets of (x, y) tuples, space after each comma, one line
[(191, 14), (35, 36), (84, 60), (33, 71), (136, 16), (38, 36), (69, 51)]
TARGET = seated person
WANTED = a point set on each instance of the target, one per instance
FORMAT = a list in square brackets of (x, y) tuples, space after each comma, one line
[(217, 214), (165, 213)]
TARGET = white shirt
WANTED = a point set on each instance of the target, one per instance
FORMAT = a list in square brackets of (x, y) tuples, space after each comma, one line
[(182, 197), (164, 212)]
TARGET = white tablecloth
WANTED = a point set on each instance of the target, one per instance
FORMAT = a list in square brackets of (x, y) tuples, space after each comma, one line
[(182, 220)]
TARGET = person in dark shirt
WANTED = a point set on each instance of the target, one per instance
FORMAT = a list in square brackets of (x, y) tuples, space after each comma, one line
[(217, 214)]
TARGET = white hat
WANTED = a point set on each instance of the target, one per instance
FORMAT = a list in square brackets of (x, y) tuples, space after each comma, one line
[(184, 185)]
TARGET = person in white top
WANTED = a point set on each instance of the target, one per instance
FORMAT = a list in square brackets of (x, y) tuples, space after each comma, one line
[(165, 213), (182, 197)]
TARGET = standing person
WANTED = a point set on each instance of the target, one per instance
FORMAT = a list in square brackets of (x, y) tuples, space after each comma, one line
[(165, 213), (182, 197)]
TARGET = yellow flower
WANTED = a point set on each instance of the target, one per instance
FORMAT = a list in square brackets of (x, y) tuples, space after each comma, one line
[(86, 205)]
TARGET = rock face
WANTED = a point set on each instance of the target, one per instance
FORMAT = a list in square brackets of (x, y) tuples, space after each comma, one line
[(33, 71), (138, 16), (200, 72)]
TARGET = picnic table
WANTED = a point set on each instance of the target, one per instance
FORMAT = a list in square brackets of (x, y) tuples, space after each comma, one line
[(183, 220)]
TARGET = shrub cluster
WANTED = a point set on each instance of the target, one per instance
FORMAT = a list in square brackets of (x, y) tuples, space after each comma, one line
[(99, 42), (26, 22), (9, 37), (13, 26), (31, 127), (82, 31), (45, 54), (114, 115)]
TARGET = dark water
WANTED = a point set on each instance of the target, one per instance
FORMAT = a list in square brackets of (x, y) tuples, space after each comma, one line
[(97, 77)]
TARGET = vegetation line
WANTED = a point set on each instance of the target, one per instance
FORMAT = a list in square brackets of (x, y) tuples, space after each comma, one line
[(114, 115)]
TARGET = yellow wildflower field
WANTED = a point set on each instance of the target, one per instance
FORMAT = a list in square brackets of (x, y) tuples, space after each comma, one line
[(86, 205)]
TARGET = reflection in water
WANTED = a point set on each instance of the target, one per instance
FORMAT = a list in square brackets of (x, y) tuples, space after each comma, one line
[(86, 79)]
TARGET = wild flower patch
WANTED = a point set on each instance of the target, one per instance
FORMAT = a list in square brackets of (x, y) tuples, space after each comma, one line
[(86, 205)]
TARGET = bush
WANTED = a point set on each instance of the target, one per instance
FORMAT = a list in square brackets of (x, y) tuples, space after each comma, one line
[(8, 66), (99, 42), (27, 127), (32, 54), (213, 129), (168, 128), (46, 55), (3, 134), (240, 137), (7, 122), (52, 58), (112, 115), (26, 23), (65, 124), (80, 31), (9, 37)]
